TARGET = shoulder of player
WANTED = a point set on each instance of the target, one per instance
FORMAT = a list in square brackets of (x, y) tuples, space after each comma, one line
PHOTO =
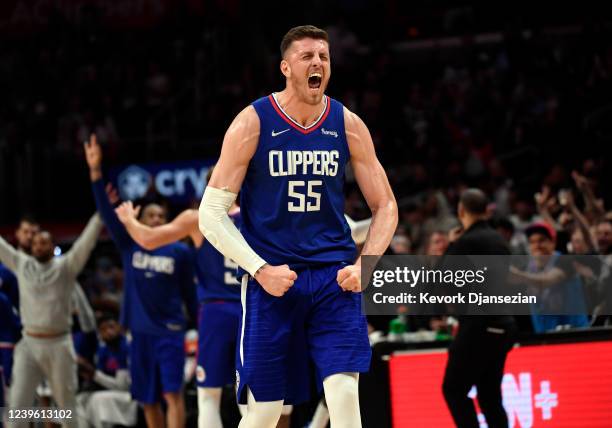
[(245, 121), (353, 125), (357, 135)]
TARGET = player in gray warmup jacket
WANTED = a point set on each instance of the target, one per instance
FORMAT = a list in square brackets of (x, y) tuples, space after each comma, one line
[(46, 284)]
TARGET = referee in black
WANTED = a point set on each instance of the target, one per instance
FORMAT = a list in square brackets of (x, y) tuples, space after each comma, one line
[(478, 353)]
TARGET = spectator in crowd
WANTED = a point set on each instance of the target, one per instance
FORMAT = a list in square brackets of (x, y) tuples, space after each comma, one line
[(400, 243), (554, 280), (110, 403), (603, 231), (436, 243)]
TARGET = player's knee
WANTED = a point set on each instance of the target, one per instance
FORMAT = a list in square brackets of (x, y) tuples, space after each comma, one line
[(209, 396), (210, 393), (261, 417), (151, 407), (173, 399), (287, 410), (262, 414), (342, 386)]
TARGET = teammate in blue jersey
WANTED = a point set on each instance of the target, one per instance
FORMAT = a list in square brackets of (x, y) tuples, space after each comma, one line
[(10, 328), (287, 155), (8, 285), (112, 355), (157, 283), (219, 297)]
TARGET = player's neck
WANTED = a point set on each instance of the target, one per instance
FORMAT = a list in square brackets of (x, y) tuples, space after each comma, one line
[(303, 113)]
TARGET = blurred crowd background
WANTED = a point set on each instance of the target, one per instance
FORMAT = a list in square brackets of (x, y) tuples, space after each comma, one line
[(512, 98)]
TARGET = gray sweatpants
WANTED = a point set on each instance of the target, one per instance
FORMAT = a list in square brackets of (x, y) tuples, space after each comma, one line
[(39, 359)]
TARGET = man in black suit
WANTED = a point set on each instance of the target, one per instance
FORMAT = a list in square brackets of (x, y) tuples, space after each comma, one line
[(478, 353)]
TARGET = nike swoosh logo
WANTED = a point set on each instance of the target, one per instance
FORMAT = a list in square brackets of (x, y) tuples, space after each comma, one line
[(275, 134)]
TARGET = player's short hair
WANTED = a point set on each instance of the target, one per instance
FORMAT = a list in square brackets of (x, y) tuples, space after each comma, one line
[(28, 218), (474, 201), (148, 202), (107, 316), (46, 233), (299, 33)]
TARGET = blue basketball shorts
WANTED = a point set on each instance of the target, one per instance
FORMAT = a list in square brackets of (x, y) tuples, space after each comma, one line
[(217, 343), (157, 366), (279, 336)]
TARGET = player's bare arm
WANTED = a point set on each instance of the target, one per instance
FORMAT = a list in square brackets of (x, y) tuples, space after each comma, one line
[(544, 279), (150, 238), (239, 145), (374, 186), (93, 155)]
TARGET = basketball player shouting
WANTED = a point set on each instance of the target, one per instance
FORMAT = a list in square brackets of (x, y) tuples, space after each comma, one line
[(287, 154)]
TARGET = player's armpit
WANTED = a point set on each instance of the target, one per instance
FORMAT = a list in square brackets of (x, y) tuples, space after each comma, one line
[(239, 145), (373, 183)]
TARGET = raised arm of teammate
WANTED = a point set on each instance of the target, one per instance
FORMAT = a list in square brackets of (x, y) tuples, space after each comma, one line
[(239, 145), (78, 255), (93, 155), (374, 185), (150, 238)]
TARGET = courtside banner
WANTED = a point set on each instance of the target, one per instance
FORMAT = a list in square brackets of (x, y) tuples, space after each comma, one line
[(179, 182), (486, 285), (547, 386)]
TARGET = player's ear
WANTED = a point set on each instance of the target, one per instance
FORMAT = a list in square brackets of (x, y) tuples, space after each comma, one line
[(285, 68)]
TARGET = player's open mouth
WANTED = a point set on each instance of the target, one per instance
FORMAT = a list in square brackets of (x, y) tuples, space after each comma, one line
[(314, 80)]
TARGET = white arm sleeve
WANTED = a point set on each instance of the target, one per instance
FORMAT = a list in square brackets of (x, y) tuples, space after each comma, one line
[(221, 232), (359, 229)]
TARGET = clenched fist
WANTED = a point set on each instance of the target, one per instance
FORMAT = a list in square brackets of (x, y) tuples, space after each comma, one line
[(276, 280), (349, 278)]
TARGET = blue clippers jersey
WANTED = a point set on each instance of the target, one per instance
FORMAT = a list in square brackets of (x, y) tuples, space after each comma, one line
[(217, 273), (109, 360), (10, 326), (8, 285), (292, 198), (157, 282)]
